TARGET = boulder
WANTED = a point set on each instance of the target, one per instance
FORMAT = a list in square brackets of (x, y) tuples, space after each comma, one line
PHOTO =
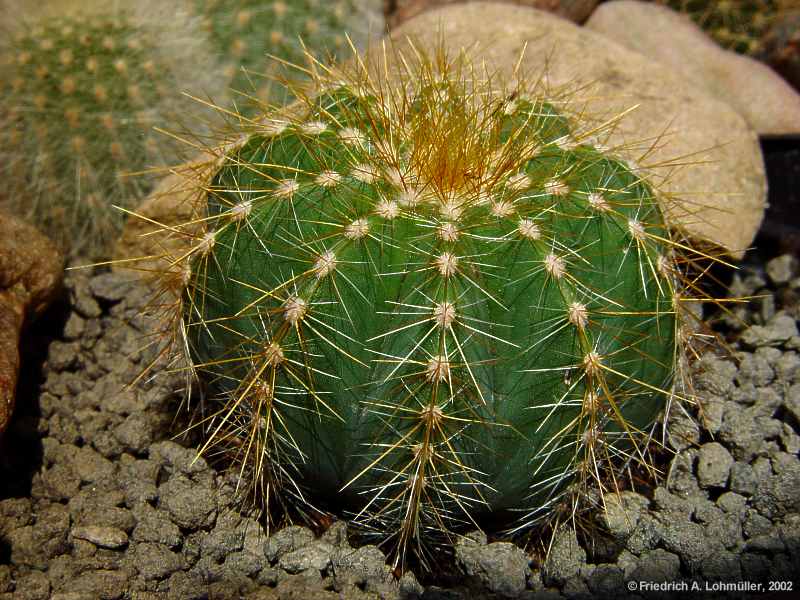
[(31, 273), (762, 97), (170, 220)]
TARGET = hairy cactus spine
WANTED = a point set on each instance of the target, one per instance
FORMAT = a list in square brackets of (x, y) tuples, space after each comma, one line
[(82, 93), (429, 300)]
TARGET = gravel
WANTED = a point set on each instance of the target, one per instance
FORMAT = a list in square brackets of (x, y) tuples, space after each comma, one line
[(102, 537), (565, 559), (499, 567), (623, 513), (713, 465), (99, 500)]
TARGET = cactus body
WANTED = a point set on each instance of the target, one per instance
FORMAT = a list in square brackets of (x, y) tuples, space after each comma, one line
[(82, 93), (246, 32), (781, 46), (437, 303)]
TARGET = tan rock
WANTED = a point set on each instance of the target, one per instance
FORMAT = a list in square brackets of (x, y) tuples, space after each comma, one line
[(698, 151), (169, 221), (763, 98), (146, 242), (574, 10), (31, 272)]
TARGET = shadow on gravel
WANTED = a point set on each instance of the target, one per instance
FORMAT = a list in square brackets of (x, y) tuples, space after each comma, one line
[(780, 232), (5, 552), (21, 446)]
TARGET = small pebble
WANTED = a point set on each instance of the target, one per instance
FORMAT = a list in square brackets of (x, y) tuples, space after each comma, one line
[(782, 268), (105, 537), (713, 465)]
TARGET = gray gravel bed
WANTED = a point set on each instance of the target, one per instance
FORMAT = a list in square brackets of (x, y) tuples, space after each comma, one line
[(97, 501)]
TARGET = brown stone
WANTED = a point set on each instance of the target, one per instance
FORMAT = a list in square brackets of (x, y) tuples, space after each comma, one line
[(755, 91), (169, 221), (700, 153), (31, 272)]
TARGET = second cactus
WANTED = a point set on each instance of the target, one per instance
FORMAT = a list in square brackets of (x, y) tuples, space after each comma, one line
[(246, 32), (83, 91)]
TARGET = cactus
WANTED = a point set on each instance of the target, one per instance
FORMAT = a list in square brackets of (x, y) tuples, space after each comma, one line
[(781, 46), (428, 301), (245, 32), (737, 25), (82, 92)]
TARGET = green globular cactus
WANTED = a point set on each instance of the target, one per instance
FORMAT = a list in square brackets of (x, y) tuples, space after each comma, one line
[(738, 25), (246, 33), (82, 92), (429, 304)]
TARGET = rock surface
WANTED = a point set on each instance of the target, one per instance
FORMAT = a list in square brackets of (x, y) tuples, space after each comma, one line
[(713, 465), (500, 567), (574, 10), (31, 271), (172, 202), (675, 122), (755, 91)]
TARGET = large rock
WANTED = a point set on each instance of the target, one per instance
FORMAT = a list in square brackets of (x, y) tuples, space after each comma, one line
[(698, 151), (574, 10), (754, 90), (31, 271), (169, 222)]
